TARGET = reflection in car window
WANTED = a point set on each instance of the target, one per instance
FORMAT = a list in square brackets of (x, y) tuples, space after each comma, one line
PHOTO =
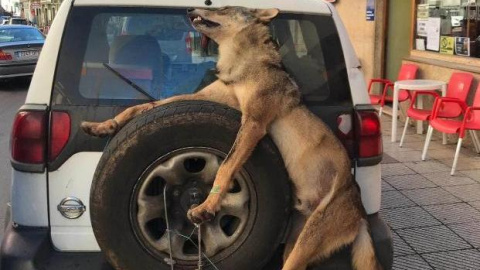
[(158, 50), (160, 53)]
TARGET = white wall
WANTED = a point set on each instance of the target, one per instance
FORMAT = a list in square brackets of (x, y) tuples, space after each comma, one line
[(361, 32)]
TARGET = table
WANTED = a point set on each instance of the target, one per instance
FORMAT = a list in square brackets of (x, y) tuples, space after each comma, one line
[(414, 85)]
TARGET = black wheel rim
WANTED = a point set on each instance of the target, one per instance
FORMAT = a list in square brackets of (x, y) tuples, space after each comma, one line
[(189, 174)]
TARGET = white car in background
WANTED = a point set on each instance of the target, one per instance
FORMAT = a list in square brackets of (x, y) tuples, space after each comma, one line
[(95, 63)]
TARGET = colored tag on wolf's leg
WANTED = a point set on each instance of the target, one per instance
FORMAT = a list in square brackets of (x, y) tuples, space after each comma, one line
[(215, 190)]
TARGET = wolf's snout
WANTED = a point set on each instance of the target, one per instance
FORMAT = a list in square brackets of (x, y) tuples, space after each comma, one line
[(189, 10)]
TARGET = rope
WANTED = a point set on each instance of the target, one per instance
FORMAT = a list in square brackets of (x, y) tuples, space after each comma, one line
[(199, 235), (171, 262), (190, 239)]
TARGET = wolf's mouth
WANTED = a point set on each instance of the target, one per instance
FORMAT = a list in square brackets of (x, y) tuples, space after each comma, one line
[(199, 20)]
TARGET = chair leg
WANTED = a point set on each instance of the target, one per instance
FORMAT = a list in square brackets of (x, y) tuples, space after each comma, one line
[(457, 152), (404, 131), (475, 140), (427, 142), (380, 111)]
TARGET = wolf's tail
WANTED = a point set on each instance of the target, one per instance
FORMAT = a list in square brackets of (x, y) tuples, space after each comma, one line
[(363, 252)]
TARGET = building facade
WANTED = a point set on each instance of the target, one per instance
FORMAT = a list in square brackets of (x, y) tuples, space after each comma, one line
[(439, 36), (39, 12), (11, 6)]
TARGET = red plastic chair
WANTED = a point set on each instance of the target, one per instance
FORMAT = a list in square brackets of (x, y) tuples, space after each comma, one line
[(407, 72), (471, 122), (458, 88)]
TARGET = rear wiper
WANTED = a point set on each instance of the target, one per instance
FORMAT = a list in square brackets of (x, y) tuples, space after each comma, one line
[(125, 79)]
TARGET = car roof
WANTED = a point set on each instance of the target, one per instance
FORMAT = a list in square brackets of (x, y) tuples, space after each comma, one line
[(300, 6)]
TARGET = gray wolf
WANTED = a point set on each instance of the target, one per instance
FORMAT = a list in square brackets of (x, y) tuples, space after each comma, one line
[(251, 78)]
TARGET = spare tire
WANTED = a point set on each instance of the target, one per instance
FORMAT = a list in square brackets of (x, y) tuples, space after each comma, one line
[(176, 150)]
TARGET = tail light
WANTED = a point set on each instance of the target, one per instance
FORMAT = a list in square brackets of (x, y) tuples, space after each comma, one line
[(29, 136), (60, 132), (4, 56), (369, 134)]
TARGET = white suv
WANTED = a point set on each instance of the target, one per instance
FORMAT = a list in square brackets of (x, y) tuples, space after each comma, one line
[(102, 56)]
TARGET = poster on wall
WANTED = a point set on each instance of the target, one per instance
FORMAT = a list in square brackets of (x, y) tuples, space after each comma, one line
[(433, 34), (422, 27), (370, 10), (447, 45), (422, 11), (462, 46), (420, 44)]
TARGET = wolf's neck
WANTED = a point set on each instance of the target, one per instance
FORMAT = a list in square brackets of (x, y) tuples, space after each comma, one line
[(251, 49)]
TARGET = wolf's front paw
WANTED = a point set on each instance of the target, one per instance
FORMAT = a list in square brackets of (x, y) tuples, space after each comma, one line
[(102, 129), (204, 212)]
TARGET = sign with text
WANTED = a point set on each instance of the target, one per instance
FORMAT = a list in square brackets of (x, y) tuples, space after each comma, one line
[(370, 10), (447, 45), (462, 46), (422, 27), (422, 11)]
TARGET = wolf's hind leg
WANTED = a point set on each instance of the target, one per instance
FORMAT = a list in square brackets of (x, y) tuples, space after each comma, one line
[(363, 251), (217, 92), (298, 222), (331, 226)]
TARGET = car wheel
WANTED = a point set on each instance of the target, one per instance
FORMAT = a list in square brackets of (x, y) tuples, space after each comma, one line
[(167, 158)]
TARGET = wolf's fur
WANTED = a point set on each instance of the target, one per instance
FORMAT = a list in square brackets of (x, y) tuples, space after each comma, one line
[(251, 78)]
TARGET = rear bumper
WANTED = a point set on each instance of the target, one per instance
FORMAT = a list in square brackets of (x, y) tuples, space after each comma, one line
[(30, 248), (17, 70)]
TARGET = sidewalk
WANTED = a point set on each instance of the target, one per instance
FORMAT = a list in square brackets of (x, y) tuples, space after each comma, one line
[(434, 217)]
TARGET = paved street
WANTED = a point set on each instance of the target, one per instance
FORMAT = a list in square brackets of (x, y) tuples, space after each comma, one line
[(435, 218), (12, 96)]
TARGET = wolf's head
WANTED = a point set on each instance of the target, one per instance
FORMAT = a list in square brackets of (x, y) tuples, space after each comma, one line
[(224, 23)]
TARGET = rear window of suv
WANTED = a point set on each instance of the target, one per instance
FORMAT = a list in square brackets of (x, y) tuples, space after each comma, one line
[(126, 56)]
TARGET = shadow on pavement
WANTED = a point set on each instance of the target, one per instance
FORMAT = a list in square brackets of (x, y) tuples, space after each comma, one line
[(15, 84)]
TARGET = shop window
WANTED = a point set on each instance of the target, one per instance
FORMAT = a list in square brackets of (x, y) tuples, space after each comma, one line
[(449, 27)]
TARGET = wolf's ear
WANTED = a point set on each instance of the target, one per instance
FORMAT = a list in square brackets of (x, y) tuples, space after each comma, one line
[(266, 15)]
